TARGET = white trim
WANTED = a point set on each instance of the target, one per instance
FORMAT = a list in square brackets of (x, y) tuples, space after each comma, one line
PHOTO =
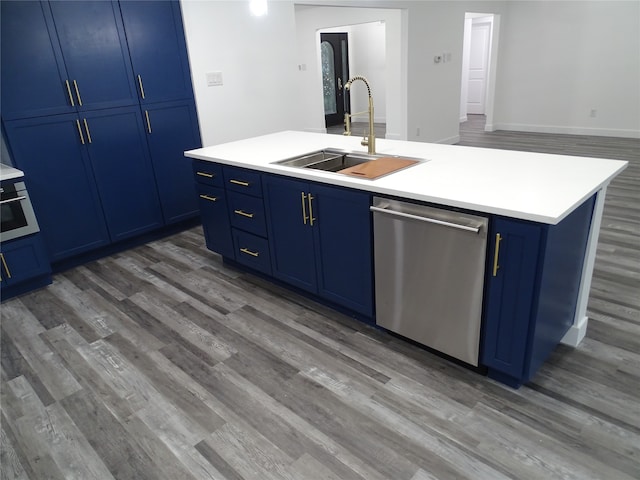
[(579, 328), (393, 136), (566, 130), (449, 141), (463, 119), (576, 333)]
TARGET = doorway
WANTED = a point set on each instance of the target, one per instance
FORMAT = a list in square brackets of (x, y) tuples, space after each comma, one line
[(334, 50), (479, 66)]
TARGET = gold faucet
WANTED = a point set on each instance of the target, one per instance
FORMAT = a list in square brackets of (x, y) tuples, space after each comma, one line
[(367, 141)]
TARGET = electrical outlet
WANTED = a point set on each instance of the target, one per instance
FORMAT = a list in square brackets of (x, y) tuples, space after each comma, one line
[(593, 113), (418, 132), (214, 79)]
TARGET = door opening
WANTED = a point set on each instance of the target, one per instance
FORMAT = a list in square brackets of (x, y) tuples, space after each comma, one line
[(334, 48)]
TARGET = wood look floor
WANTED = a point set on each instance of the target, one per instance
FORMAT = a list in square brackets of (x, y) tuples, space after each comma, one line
[(162, 363)]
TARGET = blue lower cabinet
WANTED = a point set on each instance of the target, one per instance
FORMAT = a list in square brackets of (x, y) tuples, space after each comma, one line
[(215, 220), (531, 291), (24, 265), (320, 239), (172, 128), (252, 251)]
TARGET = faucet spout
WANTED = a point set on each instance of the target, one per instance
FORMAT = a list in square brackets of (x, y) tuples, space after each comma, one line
[(370, 140)]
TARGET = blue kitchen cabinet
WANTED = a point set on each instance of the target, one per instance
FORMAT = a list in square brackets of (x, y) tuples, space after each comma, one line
[(172, 128), (61, 183), (33, 74), (94, 48), (289, 226), (158, 50), (532, 288), (215, 220), (24, 265), (117, 146), (320, 239)]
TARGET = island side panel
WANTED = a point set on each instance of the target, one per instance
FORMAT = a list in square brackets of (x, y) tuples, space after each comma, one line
[(561, 275)]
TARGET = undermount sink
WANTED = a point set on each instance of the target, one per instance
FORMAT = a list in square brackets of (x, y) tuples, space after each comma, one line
[(350, 163)]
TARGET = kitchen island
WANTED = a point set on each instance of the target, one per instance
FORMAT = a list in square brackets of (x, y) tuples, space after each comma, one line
[(545, 210)]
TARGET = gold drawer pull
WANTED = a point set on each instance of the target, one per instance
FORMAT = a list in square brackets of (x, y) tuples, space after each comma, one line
[(203, 174), (6, 267), (249, 252), (80, 131), (75, 84), (141, 87), (86, 126), (304, 209), (496, 255), (244, 214), (311, 217), (207, 197), (239, 182), (146, 114), (69, 92)]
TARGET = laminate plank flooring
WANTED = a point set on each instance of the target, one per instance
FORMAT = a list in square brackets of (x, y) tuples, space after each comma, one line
[(163, 363)]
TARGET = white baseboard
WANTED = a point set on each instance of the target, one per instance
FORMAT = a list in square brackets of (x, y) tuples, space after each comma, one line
[(393, 136), (601, 132), (463, 119), (450, 140), (576, 333)]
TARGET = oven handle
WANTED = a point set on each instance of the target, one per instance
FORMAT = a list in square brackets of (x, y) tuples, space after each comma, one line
[(10, 200)]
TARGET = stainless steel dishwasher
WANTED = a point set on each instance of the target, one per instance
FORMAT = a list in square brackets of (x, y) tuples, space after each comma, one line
[(429, 275)]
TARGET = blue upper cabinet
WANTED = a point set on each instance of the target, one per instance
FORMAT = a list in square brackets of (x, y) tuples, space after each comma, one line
[(155, 36), (95, 53), (33, 74)]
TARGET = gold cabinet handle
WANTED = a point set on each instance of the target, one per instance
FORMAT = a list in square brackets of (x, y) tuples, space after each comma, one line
[(207, 197), (244, 214), (311, 217), (496, 255), (249, 252), (86, 126), (141, 87), (146, 114), (75, 85), (4, 264), (239, 182), (204, 174), (80, 131), (304, 208), (69, 92)]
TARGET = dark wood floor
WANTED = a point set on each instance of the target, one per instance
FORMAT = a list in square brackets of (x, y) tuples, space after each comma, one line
[(162, 363)]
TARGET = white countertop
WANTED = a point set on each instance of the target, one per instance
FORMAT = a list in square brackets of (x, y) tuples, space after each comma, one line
[(531, 186), (8, 173)]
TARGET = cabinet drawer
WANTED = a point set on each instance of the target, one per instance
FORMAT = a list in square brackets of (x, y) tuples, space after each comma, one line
[(247, 213), (208, 173), (252, 251), (243, 181)]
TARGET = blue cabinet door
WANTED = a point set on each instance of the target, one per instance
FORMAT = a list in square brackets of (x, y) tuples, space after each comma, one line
[(95, 53), (117, 146), (158, 49), (172, 128), (33, 73), (509, 302), (23, 259), (290, 232), (342, 233), (61, 185), (215, 220)]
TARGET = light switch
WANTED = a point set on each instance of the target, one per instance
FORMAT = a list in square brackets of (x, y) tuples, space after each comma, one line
[(214, 79)]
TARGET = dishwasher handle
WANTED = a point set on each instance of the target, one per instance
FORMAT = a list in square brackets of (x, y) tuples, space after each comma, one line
[(425, 219)]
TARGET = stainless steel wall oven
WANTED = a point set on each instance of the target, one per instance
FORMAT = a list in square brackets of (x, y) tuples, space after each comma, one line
[(16, 213)]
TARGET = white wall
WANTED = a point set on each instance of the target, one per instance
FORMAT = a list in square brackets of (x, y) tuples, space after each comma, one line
[(257, 58), (556, 62), (560, 60)]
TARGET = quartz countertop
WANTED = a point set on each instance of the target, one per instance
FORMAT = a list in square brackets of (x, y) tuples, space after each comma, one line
[(9, 173), (530, 186)]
